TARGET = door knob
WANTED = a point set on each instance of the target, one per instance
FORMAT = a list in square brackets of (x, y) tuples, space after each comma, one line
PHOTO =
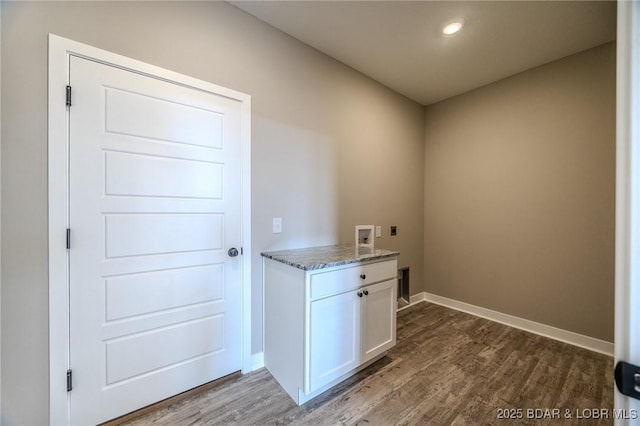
[(233, 252)]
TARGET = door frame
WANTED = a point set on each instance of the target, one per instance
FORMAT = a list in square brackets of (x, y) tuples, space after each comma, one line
[(627, 316), (60, 51)]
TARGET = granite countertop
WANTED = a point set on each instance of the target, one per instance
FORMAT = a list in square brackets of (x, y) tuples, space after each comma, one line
[(312, 258)]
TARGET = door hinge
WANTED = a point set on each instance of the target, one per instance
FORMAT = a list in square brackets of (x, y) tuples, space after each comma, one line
[(627, 378), (241, 251), (69, 380), (68, 238), (68, 96)]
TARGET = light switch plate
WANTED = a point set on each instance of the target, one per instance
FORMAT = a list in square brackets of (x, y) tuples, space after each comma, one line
[(277, 225), (378, 231)]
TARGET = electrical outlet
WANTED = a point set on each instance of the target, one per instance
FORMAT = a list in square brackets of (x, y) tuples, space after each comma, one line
[(394, 230), (277, 225), (378, 231)]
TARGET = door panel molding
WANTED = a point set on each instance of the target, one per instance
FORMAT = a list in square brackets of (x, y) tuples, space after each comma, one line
[(60, 52)]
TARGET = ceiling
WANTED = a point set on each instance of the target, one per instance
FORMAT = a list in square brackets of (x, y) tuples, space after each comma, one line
[(400, 43)]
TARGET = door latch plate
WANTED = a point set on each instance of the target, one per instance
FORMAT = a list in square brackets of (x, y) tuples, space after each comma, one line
[(628, 379)]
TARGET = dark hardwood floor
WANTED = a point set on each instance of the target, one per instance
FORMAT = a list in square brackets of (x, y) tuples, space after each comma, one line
[(448, 368)]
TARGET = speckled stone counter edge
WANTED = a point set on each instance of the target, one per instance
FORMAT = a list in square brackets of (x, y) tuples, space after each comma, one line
[(312, 258)]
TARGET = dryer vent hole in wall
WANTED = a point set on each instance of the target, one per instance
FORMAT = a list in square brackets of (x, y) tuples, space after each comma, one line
[(404, 296)]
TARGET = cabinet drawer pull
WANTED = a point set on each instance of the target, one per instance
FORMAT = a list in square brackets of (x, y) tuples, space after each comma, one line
[(359, 294), (363, 276), (366, 292)]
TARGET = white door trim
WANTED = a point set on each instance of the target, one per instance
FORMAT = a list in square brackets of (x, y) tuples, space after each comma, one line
[(0, 220), (60, 49), (627, 194)]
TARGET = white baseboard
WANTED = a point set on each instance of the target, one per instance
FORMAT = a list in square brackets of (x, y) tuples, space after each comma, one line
[(257, 361), (416, 298), (559, 334)]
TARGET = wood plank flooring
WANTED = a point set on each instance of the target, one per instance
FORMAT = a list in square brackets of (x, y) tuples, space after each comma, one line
[(448, 368)]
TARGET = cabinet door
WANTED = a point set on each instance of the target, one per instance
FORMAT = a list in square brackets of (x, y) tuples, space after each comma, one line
[(379, 319), (334, 338)]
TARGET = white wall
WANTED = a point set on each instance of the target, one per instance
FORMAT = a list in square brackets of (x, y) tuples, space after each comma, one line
[(315, 122)]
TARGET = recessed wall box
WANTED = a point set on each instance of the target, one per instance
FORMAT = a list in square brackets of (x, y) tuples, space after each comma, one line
[(365, 235)]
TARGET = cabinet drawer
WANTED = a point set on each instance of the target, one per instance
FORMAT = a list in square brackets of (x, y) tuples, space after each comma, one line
[(337, 281)]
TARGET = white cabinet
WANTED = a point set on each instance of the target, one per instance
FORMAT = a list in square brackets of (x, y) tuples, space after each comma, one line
[(323, 325), (379, 319), (334, 338), (349, 329)]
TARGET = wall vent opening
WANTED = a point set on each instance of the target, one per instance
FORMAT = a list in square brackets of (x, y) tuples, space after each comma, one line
[(404, 296)]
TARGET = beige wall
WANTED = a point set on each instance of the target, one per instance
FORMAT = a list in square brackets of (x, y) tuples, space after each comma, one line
[(513, 192), (331, 149), (520, 195)]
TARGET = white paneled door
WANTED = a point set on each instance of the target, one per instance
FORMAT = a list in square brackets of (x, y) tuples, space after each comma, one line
[(154, 207)]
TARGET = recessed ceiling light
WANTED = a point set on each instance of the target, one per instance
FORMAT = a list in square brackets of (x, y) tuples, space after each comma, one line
[(452, 28)]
